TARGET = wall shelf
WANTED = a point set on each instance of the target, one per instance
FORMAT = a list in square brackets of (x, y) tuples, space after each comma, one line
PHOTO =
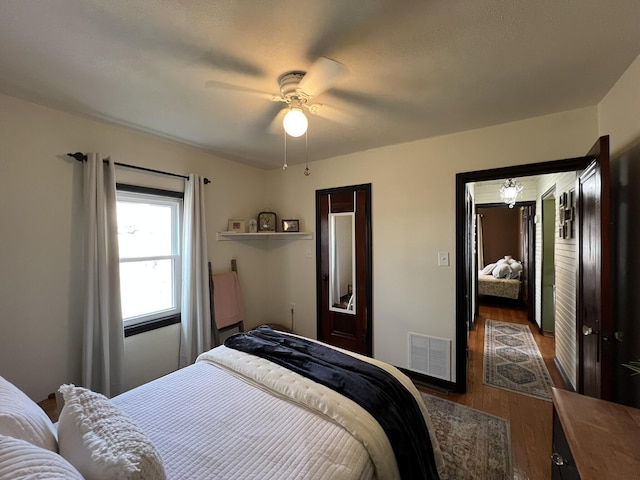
[(226, 236)]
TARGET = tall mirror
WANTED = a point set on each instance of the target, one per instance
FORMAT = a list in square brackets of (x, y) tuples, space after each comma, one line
[(342, 263)]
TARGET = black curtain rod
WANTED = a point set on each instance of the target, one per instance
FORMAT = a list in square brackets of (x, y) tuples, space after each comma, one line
[(81, 157)]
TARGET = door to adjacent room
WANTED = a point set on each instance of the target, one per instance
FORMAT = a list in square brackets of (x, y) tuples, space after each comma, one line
[(343, 267), (594, 324)]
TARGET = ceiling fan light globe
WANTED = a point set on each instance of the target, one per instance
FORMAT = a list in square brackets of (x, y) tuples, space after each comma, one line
[(295, 122)]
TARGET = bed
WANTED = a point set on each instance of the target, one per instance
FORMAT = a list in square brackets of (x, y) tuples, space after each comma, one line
[(501, 279), (239, 415)]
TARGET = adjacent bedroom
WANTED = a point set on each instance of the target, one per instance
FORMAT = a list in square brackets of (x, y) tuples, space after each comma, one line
[(502, 259)]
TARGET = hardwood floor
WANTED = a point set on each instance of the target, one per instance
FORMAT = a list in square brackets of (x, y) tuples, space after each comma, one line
[(530, 418)]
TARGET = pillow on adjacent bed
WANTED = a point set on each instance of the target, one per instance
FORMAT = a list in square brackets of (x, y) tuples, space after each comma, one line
[(21, 460), (502, 270), (488, 269), (102, 442), (21, 417), (516, 269)]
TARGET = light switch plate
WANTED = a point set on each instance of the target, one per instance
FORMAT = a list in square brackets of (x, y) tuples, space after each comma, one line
[(443, 259)]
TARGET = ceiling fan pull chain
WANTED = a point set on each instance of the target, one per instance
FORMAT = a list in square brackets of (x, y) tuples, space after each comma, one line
[(307, 172), (284, 167)]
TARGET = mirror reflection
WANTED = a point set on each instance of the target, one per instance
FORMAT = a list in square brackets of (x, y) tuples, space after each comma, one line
[(342, 262)]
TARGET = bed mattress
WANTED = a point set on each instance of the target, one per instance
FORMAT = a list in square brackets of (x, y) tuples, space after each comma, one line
[(207, 423), (498, 287)]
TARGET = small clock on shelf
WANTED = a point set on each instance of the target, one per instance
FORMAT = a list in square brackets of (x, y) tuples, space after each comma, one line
[(267, 222)]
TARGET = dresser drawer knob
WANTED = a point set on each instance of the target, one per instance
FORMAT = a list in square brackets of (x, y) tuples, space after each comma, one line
[(557, 459)]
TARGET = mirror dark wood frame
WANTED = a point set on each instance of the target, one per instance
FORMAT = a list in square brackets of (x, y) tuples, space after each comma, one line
[(367, 284)]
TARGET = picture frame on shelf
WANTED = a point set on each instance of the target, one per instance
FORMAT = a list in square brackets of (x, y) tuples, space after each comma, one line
[(267, 221), (237, 226), (291, 225)]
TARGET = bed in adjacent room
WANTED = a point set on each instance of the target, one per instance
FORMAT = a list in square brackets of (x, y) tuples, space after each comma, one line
[(501, 279), (251, 410)]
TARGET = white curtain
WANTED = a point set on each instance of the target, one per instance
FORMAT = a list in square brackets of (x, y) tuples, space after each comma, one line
[(196, 332), (103, 343), (480, 240)]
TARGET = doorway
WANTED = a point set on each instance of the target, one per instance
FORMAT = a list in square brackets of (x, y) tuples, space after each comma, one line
[(344, 268), (510, 232), (601, 276), (548, 291)]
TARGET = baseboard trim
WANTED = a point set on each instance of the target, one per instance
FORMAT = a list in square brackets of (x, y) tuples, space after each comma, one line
[(431, 383), (563, 374)]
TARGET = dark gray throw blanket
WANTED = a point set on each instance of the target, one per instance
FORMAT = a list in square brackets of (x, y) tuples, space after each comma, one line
[(377, 391)]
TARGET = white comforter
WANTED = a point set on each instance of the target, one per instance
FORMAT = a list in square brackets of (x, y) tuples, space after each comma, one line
[(210, 421), (209, 424)]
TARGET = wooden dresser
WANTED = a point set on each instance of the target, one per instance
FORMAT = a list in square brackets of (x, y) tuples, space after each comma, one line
[(594, 439)]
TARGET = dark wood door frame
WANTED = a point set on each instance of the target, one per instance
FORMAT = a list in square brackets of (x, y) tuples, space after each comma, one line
[(462, 179), (365, 256), (596, 348), (551, 192)]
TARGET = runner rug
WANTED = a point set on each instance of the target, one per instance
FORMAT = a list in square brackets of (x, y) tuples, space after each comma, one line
[(513, 362), (474, 444)]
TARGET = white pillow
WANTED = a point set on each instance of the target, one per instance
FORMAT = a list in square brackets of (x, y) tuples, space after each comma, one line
[(22, 418), (488, 269), (516, 268), (21, 460), (503, 270), (102, 442)]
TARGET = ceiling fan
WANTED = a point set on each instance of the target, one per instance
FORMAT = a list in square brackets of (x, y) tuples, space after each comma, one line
[(297, 88)]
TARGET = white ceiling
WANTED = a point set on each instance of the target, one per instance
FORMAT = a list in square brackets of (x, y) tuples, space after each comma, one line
[(417, 68)]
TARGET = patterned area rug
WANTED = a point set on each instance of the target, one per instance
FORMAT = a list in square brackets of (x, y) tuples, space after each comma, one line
[(475, 445), (513, 362)]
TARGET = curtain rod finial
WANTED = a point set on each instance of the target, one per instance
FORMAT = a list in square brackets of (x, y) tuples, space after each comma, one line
[(206, 181), (79, 156)]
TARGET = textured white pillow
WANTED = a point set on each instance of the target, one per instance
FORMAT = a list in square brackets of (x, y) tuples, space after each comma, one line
[(21, 460), (22, 418), (516, 268), (488, 269), (503, 270), (102, 442)]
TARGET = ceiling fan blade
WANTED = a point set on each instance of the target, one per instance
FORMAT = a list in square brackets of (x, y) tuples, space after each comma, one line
[(275, 127), (321, 76), (331, 113), (238, 88)]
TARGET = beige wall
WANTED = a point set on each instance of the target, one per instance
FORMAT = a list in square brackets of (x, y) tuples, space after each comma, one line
[(41, 244), (413, 190), (619, 111)]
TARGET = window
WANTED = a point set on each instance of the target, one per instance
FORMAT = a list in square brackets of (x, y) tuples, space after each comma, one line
[(149, 234)]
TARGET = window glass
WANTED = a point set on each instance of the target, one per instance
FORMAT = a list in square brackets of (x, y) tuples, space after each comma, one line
[(144, 229), (146, 287), (150, 264)]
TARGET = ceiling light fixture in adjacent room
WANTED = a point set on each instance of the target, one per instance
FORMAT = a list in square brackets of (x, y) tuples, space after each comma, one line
[(511, 191)]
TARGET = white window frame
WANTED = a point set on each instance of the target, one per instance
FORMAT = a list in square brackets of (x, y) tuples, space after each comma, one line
[(142, 195)]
